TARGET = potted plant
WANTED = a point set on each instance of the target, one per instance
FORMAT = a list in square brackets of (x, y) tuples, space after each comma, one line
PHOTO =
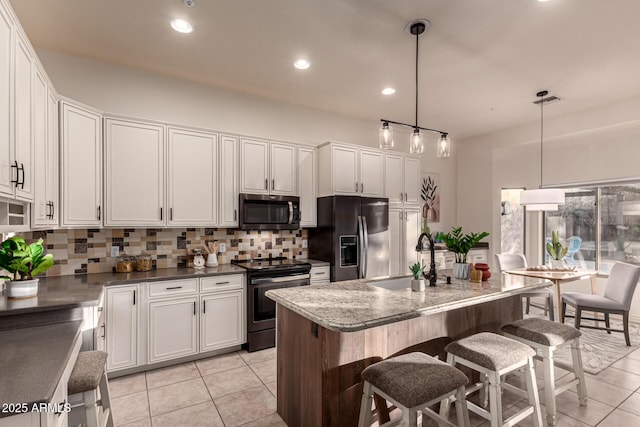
[(557, 251), (417, 284), (24, 262), (460, 244)]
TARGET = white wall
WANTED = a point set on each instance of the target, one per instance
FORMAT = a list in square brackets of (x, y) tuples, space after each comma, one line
[(127, 91), (594, 145)]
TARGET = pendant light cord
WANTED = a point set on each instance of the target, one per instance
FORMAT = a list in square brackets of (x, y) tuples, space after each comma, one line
[(541, 133), (417, 41)]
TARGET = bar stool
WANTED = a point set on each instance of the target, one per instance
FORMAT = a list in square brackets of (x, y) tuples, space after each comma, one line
[(546, 337), (412, 382), (88, 375), (493, 355)]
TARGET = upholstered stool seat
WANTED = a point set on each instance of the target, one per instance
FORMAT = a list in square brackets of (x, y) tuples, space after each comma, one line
[(546, 337), (493, 355), (413, 382), (88, 376)]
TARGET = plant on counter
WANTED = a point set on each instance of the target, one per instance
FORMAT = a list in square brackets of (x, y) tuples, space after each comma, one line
[(22, 260), (460, 244), (555, 248), (417, 269)]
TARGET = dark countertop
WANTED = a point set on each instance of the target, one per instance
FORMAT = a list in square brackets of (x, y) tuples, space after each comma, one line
[(32, 361), (65, 292)]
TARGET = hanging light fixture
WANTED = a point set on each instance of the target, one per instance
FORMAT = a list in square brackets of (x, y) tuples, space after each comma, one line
[(416, 144), (542, 199)]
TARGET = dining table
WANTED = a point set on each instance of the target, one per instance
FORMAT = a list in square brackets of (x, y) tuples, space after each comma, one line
[(558, 278)]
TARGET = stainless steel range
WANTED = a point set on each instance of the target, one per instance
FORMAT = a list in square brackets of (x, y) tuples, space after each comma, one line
[(262, 275)]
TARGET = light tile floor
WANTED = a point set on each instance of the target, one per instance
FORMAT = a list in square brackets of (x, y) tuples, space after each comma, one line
[(238, 389)]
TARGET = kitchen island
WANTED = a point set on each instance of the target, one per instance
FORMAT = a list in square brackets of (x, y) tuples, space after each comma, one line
[(327, 334)]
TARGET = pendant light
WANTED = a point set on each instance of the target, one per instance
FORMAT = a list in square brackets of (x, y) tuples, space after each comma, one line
[(542, 199), (416, 143)]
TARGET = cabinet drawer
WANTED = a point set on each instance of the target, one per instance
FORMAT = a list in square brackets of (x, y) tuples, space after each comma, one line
[(221, 283), (319, 274), (173, 287)]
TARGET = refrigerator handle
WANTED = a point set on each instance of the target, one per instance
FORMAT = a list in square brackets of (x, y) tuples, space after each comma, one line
[(360, 248), (365, 233)]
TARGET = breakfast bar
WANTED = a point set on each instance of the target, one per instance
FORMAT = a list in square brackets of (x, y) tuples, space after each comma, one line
[(327, 334)]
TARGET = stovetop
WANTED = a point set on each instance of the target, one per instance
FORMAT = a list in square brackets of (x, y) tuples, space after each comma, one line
[(275, 263)]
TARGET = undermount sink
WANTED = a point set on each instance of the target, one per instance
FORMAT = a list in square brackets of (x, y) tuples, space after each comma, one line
[(393, 284)]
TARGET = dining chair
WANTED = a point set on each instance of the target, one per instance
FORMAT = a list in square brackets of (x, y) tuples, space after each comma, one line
[(512, 261), (618, 293)]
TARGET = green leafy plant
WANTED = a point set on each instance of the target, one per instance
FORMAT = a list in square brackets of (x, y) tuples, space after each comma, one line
[(555, 248), (23, 261), (460, 244), (417, 269)]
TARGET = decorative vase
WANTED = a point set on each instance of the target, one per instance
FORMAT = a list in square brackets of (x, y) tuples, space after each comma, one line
[(557, 264), (461, 270), (486, 274), (417, 285), (21, 288), (212, 260)]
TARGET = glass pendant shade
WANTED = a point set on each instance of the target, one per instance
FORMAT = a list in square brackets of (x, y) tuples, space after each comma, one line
[(415, 142), (386, 137), (444, 146), (543, 199)]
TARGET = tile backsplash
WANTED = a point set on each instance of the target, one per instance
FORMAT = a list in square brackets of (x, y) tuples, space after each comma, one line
[(79, 251)]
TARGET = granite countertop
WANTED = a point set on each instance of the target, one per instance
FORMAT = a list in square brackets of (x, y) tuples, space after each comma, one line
[(32, 361), (355, 305), (64, 292)]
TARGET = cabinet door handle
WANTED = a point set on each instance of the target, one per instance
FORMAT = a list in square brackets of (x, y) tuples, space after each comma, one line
[(53, 209), (134, 297), (362, 187), (406, 199), (273, 184), (222, 283), (194, 308), (160, 214), (15, 165), (405, 215), (266, 184), (171, 214), (22, 182), (104, 330), (322, 272), (60, 408), (235, 214), (99, 215), (204, 307), (173, 287), (356, 187)]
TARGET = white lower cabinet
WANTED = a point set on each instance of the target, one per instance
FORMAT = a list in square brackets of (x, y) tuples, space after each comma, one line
[(222, 320), (122, 326), (173, 328), (319, 275)]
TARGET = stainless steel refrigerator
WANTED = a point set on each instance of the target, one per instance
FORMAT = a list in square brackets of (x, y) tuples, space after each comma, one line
[(353, 236)]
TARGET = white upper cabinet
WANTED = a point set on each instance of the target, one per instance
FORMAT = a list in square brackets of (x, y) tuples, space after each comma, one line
[(7, 171), (43, 210), (307, 186), (134, 173), (229, 189), (254, 166), (351, 171), (192, 178), (24, 149), (283, 169), (267, 167), (402, 178), (81, 174), (404, 229)]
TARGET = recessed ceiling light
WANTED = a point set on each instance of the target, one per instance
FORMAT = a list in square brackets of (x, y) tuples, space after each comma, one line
[(542, 1), (301, 64), (388, 91), (181, 26)]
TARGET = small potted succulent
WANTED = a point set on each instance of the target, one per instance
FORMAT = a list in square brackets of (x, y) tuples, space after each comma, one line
[(24, 262), (460, 244), (557, 251), (417, 284)]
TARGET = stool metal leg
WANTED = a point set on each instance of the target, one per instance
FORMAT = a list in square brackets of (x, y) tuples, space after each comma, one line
[(532, 391), (365, 406), (579, 372)]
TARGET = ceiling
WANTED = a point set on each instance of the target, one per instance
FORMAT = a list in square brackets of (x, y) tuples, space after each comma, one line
[(481, 63)]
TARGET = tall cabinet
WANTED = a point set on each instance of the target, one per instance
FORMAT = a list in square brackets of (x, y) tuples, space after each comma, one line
[(81, 163), (307, 185), (229, 188), (7, 172)]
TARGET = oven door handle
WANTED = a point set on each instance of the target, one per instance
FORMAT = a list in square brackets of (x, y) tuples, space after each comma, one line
[(290, 212), (280, 279)]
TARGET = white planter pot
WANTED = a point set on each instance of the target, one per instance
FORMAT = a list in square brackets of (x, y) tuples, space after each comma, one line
[(22, 288), (557, 264), (461, 271), (417, 285)]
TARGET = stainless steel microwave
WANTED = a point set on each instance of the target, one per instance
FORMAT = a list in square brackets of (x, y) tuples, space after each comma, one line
[(264, 212)]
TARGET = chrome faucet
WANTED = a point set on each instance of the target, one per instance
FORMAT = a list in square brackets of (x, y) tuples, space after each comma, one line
[(432, 275)]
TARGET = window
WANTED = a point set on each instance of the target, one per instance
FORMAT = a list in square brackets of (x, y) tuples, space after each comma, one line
[(599, 224)]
